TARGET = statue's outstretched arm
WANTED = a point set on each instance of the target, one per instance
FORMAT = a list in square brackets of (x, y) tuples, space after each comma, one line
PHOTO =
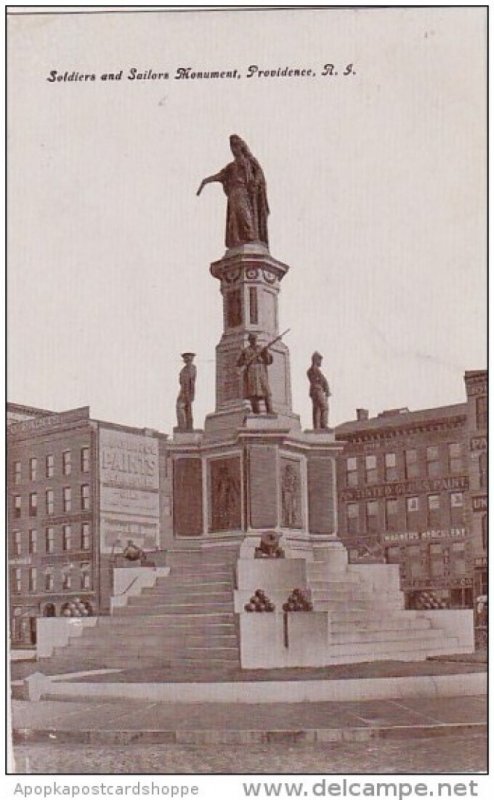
[(211, 179)]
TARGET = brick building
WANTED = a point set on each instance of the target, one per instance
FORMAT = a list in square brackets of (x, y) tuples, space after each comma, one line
[(410, 492), (78, 489)]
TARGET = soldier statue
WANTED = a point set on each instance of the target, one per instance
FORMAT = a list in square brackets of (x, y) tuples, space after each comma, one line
[(319, 393), (187, 380), (255, 360)]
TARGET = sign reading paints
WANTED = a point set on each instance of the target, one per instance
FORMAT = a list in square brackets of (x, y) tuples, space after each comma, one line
[(129, 483)]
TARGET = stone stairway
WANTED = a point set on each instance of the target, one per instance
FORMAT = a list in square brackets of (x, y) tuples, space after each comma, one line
[(367, 618), (185, 620)]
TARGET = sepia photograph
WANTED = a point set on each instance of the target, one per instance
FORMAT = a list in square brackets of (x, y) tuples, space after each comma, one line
[(246, 341)]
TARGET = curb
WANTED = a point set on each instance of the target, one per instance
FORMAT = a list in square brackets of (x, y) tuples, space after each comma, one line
[(241, 737), (39, 686)]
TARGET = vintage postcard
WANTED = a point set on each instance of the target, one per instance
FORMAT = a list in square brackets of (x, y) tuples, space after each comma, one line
[(247, 399)]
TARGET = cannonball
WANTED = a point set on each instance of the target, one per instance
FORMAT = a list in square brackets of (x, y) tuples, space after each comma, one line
[(66, 612)]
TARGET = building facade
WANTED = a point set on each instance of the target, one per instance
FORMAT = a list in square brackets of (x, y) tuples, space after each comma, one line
[(412, 491), (78, 490)]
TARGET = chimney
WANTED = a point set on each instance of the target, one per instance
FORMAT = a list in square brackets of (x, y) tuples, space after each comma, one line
[(362, 414)]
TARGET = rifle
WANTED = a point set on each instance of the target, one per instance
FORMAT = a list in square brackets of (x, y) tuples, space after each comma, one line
[(266, 347)]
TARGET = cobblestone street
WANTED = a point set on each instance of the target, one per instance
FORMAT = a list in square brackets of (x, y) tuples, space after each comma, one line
[(458, 753)]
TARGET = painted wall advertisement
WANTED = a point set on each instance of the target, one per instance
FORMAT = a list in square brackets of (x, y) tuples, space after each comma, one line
[(129, 484)]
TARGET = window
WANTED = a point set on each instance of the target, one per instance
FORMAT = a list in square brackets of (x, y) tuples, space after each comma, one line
[(32, 579), (352, 516), (33, 542), (433, 463), (254, 311), (392, 515), (49, 540), (481, 412), (351, 472), (67, 537), (371, 469), (84, 459), (437, 562), (433, 511), (483, 471), (391, 468), (393, 555), (371, 514), (50, 462), (85, 536), (411, 464), (48, 582), (413, 513), (459, 566), (455, 458), (17, 506), (85, 576), (85, 496), (33, 504), (16, 581), (67, 462), (416, 562), (17, 548), (484, 531), (67, 498), (67, 581), (33, 468), (456, 508), (17, 472), (49, 501)]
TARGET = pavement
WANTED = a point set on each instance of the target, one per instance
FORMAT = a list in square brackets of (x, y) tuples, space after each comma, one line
[(131, 722)]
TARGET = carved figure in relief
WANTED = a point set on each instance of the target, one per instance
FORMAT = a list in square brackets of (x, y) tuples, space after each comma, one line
[(255, 360), (226, 494), (290, 496), (187, 380), (319, 393), (245, 187)]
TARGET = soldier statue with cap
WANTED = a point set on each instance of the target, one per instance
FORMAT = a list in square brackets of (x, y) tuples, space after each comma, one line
[(187, 380), (319, 393)]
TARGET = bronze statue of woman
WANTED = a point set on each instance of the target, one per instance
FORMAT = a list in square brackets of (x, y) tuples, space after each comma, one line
[(245, 187)]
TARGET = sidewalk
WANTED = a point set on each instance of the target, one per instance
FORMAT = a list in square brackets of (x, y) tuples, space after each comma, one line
[(132, 721)]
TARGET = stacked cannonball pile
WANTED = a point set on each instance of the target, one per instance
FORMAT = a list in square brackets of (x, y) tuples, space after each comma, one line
[(298, 601), (259, 602), (76, 608)]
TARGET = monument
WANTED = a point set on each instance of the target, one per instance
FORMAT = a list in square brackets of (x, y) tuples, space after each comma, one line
[(253, 469), (253, 478)]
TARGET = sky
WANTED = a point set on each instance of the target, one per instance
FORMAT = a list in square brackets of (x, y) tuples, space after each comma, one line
[(376, 184)]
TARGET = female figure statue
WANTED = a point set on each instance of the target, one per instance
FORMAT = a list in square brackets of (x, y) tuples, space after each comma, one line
[(245, 187)]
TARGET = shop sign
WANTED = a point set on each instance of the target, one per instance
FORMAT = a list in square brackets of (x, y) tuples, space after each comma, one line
[(478, 443), (129, 498), (481, 562), (433, 533), (479, 503), (399, 488), (50, 421)]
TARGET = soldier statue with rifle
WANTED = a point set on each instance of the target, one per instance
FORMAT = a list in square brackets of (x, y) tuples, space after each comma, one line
[(255, 360)]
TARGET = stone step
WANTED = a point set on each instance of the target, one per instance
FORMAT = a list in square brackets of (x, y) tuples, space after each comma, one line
[(390, 647), (133, 652), (169, 637), (210, 620), (176, 608), (172, 597), (383, 635), (171, 585), (398, 655), (223, 555), (382, 625), (199, 573), (350, 615)]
